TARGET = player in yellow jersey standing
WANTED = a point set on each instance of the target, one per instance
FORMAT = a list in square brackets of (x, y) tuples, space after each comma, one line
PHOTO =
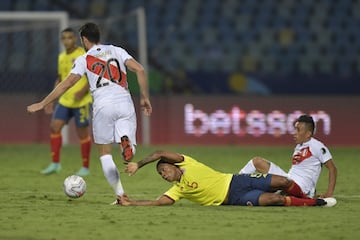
[(75, 102)]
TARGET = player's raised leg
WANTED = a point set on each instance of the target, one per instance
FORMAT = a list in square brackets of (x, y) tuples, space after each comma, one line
[(256, 164), (126, 149), (262, 165), (125, 134)]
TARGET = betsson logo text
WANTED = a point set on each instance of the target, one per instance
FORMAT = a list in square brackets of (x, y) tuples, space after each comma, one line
[(254, 122)]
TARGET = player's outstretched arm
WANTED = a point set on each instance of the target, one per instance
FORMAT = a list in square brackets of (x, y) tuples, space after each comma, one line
[(49, 109), (82, 92), (54, 94), (161, 201), (169, 157)]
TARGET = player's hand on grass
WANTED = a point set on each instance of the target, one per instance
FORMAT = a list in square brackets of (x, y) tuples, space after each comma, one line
[(35, 107), (124, 200), (131, 168), (325, 195)]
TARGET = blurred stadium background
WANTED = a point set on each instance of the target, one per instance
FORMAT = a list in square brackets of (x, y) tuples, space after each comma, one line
[(242, 49)]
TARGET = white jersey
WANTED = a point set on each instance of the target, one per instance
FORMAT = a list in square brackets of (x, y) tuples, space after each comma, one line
[(113, 109), (104, 65), (307, 162)]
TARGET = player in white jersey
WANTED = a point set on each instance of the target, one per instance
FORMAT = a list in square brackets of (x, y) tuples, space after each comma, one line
[(114, 118), (308, 158)]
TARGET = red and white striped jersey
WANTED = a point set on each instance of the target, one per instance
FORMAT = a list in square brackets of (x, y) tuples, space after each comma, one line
[(105, 68), (307, 161)]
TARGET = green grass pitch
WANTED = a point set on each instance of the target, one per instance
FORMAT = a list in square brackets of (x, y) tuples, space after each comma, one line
[(33, 206)]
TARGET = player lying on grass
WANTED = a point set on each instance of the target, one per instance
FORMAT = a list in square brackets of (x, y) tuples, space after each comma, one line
[(308, 158), (206, 186)]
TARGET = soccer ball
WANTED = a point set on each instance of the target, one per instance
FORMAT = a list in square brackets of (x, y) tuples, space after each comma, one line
[(74, 186)]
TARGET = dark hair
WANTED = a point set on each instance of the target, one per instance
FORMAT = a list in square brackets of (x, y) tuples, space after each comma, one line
[(162, 161), (69, 29), (309, 122), (91, 32)]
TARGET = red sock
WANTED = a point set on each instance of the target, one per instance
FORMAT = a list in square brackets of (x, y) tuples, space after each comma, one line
[(294, 201), (296, 191), (55, 145), (85, 151)]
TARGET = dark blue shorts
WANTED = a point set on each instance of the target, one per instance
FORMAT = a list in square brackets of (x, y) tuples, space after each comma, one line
[(81, 114), (245, 189)]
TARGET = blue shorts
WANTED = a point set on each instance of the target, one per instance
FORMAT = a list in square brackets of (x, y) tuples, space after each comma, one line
[(81, 114), (245, 189)]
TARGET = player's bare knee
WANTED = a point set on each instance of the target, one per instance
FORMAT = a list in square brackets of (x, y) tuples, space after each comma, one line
[(54, 128), (261, 164), (257, 161)]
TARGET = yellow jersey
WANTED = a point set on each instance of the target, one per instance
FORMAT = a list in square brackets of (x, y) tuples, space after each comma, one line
[(200, 183), (65, 63)]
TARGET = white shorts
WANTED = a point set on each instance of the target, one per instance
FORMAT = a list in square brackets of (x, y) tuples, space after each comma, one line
[(111, 122), (275, 169)]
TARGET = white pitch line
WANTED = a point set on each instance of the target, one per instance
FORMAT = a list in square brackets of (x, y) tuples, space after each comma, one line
[(347, 196)]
